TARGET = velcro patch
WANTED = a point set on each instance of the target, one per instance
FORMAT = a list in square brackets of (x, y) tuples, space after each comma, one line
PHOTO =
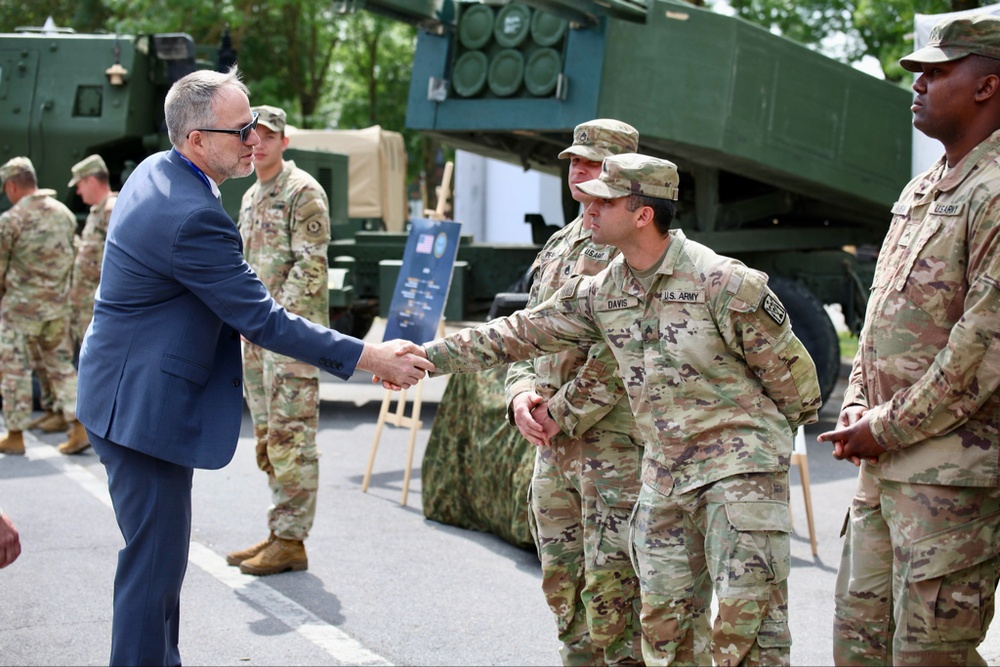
[(749, 287), (774, 308), (569, 288)]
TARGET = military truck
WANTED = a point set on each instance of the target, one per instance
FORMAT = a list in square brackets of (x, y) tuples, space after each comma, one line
[(64, 96), (789, 160)]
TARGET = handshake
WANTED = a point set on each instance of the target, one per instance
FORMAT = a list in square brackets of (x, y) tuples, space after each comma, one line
[(397, 364)]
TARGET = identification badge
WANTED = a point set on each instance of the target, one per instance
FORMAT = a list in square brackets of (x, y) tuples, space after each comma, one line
[(597, 254), (683, 296), (619, 303), (944, 208)]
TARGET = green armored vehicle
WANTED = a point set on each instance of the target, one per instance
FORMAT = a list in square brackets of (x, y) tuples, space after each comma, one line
[(789, 160), (64, 96)]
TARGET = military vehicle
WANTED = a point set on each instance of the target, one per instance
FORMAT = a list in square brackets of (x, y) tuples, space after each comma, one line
[(789, 160), (64, 96)]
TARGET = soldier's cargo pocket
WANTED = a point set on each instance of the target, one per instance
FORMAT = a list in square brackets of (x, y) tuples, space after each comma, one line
[(951, 578), (774, 634), (613, 504), (759, 552)]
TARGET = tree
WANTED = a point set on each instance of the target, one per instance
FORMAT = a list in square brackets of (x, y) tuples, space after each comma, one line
[(879, 28)]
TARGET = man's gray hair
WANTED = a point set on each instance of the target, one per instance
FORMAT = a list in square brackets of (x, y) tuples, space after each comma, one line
[(189, 101)]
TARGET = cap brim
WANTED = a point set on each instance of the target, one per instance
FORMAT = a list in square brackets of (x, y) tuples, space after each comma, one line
[(588, 152), (930, 54), (601, 190), (269, 126), (73, 181)]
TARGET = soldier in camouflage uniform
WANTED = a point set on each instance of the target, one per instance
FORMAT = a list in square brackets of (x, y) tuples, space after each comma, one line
[(36, 259), (90, 178), (285, 226), (921, 414), (586, 475), (717, 382)]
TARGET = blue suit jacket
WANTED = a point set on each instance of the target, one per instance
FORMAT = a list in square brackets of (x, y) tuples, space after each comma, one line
[(160, 369)]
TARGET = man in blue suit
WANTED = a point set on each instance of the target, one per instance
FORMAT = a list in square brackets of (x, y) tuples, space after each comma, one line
[(160, 373)]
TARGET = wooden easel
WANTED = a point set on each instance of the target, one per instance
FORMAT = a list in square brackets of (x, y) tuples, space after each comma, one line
[(443, 194), (399, 418), (799, 459)]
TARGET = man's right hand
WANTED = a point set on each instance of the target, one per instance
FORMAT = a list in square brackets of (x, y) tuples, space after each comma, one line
[(397, 364), (522, 407)]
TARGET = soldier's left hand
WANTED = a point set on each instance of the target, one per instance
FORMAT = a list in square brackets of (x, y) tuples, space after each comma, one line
[(854, 442)]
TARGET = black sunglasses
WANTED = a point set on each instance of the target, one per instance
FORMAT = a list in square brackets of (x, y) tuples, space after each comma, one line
[(244, 131)]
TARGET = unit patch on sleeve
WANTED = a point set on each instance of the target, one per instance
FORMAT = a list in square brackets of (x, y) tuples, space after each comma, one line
[(774, 308)]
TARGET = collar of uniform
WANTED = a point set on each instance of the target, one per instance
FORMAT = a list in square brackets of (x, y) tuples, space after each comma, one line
[(280, 178), (970, 162)]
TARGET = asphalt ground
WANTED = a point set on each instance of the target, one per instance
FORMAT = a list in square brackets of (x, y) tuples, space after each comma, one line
[(384, 585)]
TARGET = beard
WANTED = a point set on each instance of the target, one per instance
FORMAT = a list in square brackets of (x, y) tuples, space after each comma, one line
[(227, 166)]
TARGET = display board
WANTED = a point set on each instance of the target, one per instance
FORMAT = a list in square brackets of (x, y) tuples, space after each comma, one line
[(424, 279)]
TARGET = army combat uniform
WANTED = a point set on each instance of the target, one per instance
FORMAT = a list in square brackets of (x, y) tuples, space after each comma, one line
[(717, 381), (585, 483), (919, 570), (36, 260), (285, 226), (87, 264)]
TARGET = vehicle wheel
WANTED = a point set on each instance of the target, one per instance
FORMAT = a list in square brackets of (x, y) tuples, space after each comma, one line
[(812, 324)]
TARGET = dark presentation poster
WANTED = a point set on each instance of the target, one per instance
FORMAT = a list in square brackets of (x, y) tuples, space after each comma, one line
[(424, 278)]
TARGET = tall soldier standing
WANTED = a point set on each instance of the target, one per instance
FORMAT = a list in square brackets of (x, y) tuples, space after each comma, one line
[(586, 475), (717, 382), (285, 226), (921, 414)]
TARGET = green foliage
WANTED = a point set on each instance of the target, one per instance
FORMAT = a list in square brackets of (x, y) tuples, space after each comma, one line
[(850, 29), (848, 345)]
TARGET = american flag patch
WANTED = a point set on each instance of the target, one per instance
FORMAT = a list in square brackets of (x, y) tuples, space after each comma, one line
[(425, 243)]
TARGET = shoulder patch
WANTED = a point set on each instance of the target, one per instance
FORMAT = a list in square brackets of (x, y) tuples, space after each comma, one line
[(774, 308), (569, 288)]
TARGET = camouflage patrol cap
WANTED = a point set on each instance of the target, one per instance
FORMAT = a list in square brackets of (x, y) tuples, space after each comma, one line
[(955, 38), (272, 118), (88, 166), (600, 138), (632, 173), (15, 166)]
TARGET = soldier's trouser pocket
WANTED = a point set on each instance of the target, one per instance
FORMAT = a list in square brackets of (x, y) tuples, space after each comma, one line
[(951, 583)]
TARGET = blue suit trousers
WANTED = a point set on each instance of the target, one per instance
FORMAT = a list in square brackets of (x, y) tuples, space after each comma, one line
[(152, 503)]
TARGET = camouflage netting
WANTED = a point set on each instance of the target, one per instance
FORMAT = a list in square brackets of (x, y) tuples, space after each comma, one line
[(477, 467)]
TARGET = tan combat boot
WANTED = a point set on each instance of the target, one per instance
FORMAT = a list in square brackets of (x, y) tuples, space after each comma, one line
[(13, 443), (53, 422), (78, 440), (281, 555), (237, 557)]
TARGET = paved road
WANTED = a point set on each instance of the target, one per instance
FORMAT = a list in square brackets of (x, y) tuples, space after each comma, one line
[(384, 586)]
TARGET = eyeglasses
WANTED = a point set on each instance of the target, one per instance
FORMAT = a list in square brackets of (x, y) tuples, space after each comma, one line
[(244, 131)]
